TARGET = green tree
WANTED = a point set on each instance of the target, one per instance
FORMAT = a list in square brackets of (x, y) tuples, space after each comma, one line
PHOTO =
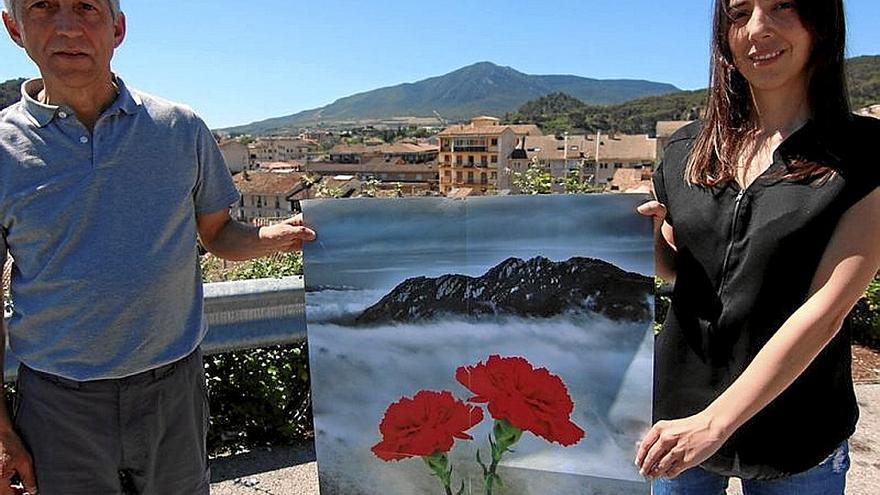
[(535, 180)]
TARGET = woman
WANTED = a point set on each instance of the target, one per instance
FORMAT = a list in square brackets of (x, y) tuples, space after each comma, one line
[(768, 219)]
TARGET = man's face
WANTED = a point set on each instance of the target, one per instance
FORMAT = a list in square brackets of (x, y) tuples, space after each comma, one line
[(71, 41)]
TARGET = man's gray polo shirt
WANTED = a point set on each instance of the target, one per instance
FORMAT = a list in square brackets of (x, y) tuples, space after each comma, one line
[(102, 227)]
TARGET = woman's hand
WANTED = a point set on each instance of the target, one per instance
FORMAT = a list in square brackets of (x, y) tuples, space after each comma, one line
[(671, 447), (654, 209), (664, 239)]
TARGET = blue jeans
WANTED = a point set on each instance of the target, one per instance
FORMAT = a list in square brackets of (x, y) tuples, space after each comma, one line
[(827, 478)]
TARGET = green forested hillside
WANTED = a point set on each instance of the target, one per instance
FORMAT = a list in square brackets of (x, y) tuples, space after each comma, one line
[(560, 112), (864, 80), (9, 92)]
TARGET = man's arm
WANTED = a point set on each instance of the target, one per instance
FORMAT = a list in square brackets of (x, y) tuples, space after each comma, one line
[(14, 458), (236, 241)]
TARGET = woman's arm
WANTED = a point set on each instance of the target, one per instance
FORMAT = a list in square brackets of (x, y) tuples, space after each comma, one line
[(848, 265)]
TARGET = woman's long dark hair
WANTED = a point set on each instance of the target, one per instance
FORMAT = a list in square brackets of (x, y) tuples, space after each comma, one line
[(727, 122)]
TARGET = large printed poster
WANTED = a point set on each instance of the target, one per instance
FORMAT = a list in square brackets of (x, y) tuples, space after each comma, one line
[(495, 345)]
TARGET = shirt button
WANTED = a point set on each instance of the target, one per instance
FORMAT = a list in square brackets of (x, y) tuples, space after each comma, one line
[(63, 115), (84, 140)]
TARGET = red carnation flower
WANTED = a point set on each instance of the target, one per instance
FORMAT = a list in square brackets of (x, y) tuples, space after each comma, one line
[(424, 425), (530, 399)]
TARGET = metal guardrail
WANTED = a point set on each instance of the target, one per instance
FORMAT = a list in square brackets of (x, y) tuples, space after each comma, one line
[(242, 315)]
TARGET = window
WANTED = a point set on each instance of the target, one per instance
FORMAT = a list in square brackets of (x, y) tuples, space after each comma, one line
[(494, 158), (277, 203), (483, 178), (458, 160), (447, 174), (447, 158), (470, 159), (470, 177), (618, 165), (494, 141), (458, 177), (484, 160)]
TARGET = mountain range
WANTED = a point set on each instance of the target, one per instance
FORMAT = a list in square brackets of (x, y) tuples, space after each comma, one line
[(481, 88), (556, 103), (534, 288)]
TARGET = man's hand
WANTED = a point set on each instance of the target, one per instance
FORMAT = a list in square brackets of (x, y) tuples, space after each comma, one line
[(288, 235), (236, 241), (15, 460)]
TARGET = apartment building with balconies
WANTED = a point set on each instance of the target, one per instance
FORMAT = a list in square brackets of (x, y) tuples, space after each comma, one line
[(477, 156)]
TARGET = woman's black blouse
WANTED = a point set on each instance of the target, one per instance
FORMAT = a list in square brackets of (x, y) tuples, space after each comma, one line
[(745, 262)]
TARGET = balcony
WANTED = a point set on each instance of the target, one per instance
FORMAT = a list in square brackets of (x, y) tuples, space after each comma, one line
[(471, 148)]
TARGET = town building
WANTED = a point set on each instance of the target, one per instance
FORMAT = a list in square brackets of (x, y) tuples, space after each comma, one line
[(235, 154), (380, 169), (631, 180), (282, 167), (268, 194), (281, 149), (477, 155), (594, 156), (408, 152), (616, 151), (664, 130)]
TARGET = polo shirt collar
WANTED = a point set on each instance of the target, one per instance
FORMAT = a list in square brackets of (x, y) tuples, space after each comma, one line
[(42, 114), (127, 101)]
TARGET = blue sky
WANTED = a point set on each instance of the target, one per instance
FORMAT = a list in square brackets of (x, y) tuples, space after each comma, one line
[(240, 61)]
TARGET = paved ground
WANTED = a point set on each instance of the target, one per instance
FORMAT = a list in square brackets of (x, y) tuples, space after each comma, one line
[(292, 470)]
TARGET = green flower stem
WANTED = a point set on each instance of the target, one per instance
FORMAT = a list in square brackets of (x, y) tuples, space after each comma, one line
[(505, 436), (438, 463)]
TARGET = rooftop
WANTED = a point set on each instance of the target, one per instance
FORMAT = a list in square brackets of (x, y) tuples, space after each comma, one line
[(666, 128), (622, 147), (267, 183)]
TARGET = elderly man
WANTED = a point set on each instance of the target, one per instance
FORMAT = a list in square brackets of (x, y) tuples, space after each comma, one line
[(103, 191)]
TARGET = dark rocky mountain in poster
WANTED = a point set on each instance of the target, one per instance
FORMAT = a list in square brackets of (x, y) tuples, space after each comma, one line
[(537, 288)]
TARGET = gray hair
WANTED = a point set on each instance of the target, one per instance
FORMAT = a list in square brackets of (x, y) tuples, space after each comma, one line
[(10, 7)]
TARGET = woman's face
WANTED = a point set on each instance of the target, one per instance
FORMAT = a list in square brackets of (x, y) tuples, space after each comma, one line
[(770, 45)]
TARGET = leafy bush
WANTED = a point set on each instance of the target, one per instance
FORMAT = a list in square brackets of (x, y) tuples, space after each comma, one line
[(662, 300), (274, 266), (866, 316), (258, 396), (535, 180)]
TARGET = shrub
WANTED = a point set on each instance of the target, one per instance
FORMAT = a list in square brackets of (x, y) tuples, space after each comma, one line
[(866, 316), (257, 396)]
